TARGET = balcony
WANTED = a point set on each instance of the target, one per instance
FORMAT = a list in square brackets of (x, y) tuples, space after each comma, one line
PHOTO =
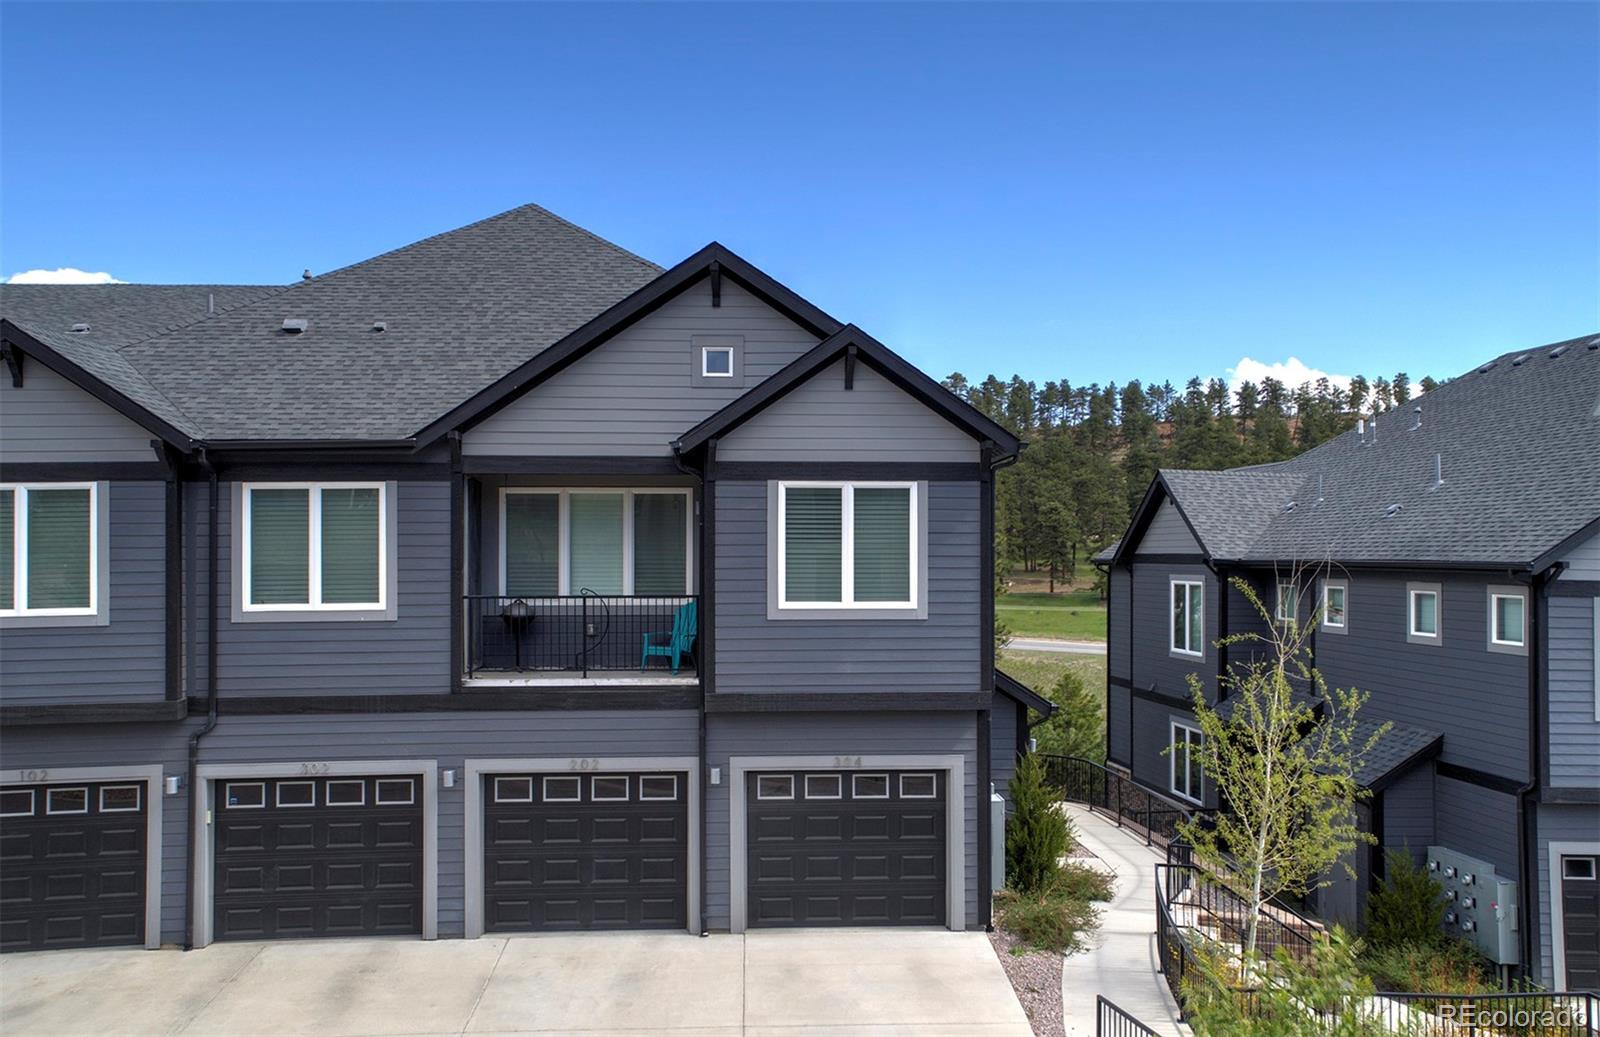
[(583, 639)]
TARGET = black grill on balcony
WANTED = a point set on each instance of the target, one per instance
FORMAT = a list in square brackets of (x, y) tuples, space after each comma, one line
[(580, 634)]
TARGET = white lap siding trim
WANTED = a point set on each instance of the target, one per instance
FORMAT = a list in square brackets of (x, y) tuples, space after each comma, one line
[(208, 774), (955, 822)]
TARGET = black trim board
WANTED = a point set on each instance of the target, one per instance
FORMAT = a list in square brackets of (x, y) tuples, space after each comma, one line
[(112, 397), (83, 471), (846, 702), (934, 471), (1580, 796), (875, 355), (622, 315), (1576, 537), (1010, 687), (1168, 559), (1573, 588), (95, 713), (482, 464), (325, 468), (1401, 769), (1149, 694), (1482, 779), (471, 700)]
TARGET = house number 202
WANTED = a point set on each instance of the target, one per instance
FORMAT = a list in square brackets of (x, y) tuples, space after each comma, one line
[(587, 764)]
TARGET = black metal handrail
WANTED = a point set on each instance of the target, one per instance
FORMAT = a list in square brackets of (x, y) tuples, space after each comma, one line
[(579, 633), (1118, 797), (1111, 1021)]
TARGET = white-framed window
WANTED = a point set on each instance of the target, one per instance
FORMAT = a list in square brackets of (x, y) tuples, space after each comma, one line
[(1186, 779), (1335, 605), (844, 545), (1580, 869), (1288, 606), (1188, 616), (513, 790), (611, 541), (395, 792), (296, 794), (16, 803), (716, 361), (119, 799), (775, 786), (315, 546), (346, 793), (824, 786), (918, 786), (1423, 621), (561, 788), (658, 786), (1508, 618), (869, 786), (50, 549), (66, 801), (245, 795), (612, 788)]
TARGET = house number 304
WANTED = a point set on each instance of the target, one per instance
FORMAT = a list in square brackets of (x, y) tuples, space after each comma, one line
[(847, 761)]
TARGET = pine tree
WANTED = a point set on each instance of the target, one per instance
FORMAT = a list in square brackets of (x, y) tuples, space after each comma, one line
[(1036, 834)]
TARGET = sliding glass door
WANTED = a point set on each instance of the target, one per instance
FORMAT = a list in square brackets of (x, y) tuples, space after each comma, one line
[(611, 541)]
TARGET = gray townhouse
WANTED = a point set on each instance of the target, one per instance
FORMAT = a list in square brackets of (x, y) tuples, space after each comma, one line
[(1448, 552), (503, 582)]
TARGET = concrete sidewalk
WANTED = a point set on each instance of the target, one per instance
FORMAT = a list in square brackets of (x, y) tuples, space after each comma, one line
[(1051, 644), (1122, 963), (864, 983)]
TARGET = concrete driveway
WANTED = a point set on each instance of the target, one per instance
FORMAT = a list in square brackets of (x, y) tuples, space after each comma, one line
[(856, 982)]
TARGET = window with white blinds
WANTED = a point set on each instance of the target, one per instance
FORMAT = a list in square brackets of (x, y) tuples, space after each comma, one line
[(847, 545), (314, 546), (610, 541), (49, 549)]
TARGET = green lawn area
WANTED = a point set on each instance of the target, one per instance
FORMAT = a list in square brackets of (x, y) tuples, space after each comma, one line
[(1071, 616), (1040, 671)]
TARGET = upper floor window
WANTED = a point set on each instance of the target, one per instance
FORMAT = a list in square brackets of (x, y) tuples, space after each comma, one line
[(1288, 607), (315, 546), (1188, 617), (555, 542), (1423, 623), (847, 545), (1185, 774), (1508, 620), (52, 550), (1335, 605), (716, 361)]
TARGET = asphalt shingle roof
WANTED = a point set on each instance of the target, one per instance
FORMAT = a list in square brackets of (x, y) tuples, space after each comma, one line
[(1399, 747), (1518, 442), (460, 309)]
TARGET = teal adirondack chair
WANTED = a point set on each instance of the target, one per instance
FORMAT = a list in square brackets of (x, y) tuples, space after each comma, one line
[(675, 643)]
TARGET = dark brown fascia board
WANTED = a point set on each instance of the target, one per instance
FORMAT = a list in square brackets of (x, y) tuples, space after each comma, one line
[(621, 315), (874, 354), (94, 386), (1012, 688)]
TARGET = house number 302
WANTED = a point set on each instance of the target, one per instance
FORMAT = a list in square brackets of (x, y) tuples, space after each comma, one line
[(588, 764), (314, 768)]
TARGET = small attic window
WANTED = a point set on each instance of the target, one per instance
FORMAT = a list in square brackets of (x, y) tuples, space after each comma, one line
[(80, 328), (296, 325)]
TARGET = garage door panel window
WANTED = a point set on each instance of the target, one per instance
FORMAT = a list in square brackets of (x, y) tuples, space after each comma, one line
[(396, 792), (658, 787), (847, 545), (16, 803), (563, 790), (297, 794), (609, 789), (918, 786), (869, 786), (824, 786), (1578, 868), (347, 793), (67, 801), (245, 795), (775, 786), (513, 790), (119, 799)]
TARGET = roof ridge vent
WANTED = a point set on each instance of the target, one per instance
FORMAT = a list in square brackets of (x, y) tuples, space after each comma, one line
[(80, 328), (1594, 343), (296, 325), (1519, 361), (1560, 349), (1486, 368), (1391, 511)]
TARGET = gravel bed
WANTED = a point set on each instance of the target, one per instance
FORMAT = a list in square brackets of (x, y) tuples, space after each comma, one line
[(1036, 977)]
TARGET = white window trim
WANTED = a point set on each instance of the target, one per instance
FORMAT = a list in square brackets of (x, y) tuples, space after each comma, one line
[(706, 351), (1292, 599), (498, 798), (49, 795), (314, 557), (768, 777), (933, 792), (277, 795), (673, 798), (138, 799), (227, 790), (838, 785), (32, 803), (855, 779), (1413, 635), (327, 797), (379, 799), (1343, 624), (544, 789), (627, 788), (1172, 762), (19, 550), (1173, 585), (847, 547), (564, 533), (1495, 596)]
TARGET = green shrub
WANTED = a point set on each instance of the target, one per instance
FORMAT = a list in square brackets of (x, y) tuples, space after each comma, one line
[(1319, 996), (1407, 909), (1038, 834), (1442, 965), (1059, 916), (1078, 728)]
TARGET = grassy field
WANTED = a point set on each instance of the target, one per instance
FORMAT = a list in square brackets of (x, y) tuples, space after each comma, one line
[(1072, 616), (1040, 671)]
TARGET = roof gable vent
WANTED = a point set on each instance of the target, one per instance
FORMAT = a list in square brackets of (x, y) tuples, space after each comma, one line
[(80, 328), (1391, 511), (296, 325)]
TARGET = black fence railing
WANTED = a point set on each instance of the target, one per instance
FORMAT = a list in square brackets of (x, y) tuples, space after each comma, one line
[(1122, 799), (1204, 907), (580, 634), (1509, 1014), (1111, 1021)]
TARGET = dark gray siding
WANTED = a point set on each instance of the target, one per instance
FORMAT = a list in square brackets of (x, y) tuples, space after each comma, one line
[(1565, 824), (822, 421), (831, 734), (1343, 899), (1168, 534), (1574, 699), (1152, 734), (940, 653), (1583, 561), (634, 394), (1475, 697), (1408, 813), (1477, 821), (124, 660), (1120, 733), (1153, 661), (1119, 621), (1003, 744), (409, 655), (50, 419)]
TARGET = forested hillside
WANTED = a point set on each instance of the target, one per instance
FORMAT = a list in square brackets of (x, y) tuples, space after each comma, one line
[(1092, 450)]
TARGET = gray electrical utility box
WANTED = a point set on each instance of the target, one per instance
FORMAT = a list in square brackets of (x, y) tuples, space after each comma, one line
[(1480, 906)]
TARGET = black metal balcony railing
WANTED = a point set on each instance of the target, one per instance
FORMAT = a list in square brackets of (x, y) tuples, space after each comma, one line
[(1122, 799), (578, 634)]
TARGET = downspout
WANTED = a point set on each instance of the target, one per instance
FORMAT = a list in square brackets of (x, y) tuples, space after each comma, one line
[(705, 664), (985, 719), (1527, 848), (213, 552)]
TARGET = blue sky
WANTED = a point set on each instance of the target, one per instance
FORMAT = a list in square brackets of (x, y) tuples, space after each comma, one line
[(1083, 191)]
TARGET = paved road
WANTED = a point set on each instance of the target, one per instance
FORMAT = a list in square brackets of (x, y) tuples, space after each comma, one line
[(1043, 644), (901, 983)]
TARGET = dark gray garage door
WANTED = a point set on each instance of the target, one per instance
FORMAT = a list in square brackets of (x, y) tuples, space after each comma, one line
[(582, 851), (318, 857), (846, 848), (1580, 922), (72, 865)]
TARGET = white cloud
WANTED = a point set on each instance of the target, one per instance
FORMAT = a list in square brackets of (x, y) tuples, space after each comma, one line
[(1292, 372), (63, 275)]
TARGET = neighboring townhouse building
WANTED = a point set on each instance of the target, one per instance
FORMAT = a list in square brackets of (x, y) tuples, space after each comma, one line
[(503, 582), (1450, 552)]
